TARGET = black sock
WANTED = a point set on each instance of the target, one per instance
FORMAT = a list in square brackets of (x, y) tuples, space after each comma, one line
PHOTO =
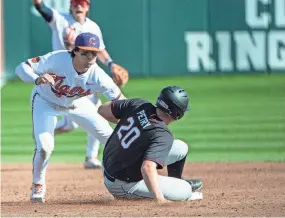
[(176, 169)]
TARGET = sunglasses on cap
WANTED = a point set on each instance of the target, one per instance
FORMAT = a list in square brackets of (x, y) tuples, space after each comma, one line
[(83, 3)]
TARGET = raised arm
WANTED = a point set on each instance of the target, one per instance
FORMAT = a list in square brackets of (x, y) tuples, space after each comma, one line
[(45, 11)]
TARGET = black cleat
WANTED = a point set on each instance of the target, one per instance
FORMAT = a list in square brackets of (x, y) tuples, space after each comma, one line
[(196, 184)]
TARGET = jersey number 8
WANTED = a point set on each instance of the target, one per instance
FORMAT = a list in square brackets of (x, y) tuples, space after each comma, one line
[(128, 134)]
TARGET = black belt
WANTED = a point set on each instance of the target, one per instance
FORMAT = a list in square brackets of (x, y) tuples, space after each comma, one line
[(112, 178), (109, 177)]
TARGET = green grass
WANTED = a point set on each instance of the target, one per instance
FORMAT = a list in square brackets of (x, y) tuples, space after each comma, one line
[(232, 118)]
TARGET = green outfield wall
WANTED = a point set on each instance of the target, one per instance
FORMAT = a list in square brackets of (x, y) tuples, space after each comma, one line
[(165, 37)]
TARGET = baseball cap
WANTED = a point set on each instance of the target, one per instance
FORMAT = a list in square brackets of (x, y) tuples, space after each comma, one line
[(88, 42)]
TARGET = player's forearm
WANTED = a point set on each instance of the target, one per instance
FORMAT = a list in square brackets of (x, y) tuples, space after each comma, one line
[(26, 73), (45, 11), (150, 177), (103, 56)]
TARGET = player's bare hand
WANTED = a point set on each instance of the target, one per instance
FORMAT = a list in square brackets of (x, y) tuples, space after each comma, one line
[(44, 79), (37, 1), (163, 201)]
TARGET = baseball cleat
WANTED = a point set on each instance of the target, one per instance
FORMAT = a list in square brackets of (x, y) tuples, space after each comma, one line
[(38, 193), (92, 163), (196, 184)]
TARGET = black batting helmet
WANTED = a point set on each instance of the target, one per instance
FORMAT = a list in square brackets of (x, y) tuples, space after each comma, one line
[(173, 100)]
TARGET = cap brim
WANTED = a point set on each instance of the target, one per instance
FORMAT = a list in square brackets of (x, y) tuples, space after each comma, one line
[(88, 48)]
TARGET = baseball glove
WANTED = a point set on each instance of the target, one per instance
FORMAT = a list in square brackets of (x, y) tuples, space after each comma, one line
[(69, 36), (120, 75)]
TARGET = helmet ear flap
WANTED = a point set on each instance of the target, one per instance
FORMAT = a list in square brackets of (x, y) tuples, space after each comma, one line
[(173, 100), (163, 106), (177, 115)]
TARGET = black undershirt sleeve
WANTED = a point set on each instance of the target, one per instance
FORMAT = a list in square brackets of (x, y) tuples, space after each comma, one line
[(45, 11)]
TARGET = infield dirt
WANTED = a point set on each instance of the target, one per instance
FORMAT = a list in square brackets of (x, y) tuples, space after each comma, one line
[(230, 189)]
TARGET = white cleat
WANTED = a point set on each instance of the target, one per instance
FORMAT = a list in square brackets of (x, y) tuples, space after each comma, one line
[(38, 193), (92, 163), (196, 196)]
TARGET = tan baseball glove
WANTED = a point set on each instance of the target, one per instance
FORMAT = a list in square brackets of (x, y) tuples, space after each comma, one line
[(120, 75)]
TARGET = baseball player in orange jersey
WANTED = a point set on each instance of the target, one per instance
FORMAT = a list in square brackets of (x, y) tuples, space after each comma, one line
[(65, 28), (63, 79)]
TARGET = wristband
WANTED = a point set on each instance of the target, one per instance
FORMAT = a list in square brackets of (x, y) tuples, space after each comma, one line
[(36, 81), (109, 62)]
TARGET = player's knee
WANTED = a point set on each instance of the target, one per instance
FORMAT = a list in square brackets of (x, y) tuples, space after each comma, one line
[(44, 154), (45, 143), (181, 148), (188, 193), (181, 192), (46, 150)]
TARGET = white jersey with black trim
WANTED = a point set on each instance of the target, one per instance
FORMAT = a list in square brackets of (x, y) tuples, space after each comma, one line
[(69, 85), (64, 26)]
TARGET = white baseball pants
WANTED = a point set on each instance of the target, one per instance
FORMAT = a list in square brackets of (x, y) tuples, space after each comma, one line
[(44, 115), (92, 148)]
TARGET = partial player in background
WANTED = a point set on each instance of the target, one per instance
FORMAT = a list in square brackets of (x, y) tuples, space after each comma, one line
[(65, 28), (63, 79), (142, 143)]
